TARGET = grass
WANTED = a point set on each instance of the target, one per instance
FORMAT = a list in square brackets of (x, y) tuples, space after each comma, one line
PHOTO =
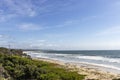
[(22, 68)]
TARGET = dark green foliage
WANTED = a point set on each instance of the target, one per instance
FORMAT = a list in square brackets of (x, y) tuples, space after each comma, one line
[(22, 68), (4, 50), (18, 52)]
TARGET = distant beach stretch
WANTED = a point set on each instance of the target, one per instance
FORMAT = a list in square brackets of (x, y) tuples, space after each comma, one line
[(101, 65)]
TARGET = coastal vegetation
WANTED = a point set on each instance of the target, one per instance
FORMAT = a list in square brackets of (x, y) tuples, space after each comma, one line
[(15, 65)]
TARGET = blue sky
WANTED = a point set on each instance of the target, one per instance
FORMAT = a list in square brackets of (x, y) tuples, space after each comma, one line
[(60, 24)]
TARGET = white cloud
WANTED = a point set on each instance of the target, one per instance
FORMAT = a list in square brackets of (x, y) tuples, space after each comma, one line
[(4, 18), (110, 31), (34, 44), (29, 27), (41, 40), (5, 40), (1, 36), (4, 36), (22, 7), (15, 8), (90, 18), (30, 8), (67, 23)]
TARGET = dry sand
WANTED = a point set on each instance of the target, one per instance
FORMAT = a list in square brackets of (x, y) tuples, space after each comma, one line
[(92, 72)]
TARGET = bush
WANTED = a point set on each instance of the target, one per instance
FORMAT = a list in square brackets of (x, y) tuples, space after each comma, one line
[(22, 68)]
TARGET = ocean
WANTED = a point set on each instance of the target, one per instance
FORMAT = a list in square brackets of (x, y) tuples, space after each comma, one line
[(104, 58)]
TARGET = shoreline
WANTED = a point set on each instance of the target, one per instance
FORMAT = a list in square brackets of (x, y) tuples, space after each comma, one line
[(109, 67), (92, 71)]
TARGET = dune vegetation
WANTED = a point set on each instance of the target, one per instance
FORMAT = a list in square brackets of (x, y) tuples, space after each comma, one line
[(15, 65)]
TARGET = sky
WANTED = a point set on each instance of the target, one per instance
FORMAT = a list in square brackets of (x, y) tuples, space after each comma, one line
[(60, 24)]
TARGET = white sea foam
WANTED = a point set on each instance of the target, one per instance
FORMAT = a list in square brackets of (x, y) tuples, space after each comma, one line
[(102, 65), (42, 56), (61, 54), (97, 58), (115, 60)]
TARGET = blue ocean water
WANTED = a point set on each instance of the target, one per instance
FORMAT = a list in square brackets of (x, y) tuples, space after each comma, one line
[(105, 58)]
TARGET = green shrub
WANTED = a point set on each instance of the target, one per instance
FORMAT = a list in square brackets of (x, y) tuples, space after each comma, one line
[(22, 68)]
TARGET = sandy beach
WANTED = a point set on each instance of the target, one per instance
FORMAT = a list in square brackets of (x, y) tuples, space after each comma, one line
[(92, 72)]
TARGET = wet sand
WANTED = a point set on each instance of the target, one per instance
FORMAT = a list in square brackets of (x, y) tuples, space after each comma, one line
[(92, 72)]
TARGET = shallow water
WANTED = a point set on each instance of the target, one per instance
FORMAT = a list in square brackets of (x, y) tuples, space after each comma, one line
[(105, 58)]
